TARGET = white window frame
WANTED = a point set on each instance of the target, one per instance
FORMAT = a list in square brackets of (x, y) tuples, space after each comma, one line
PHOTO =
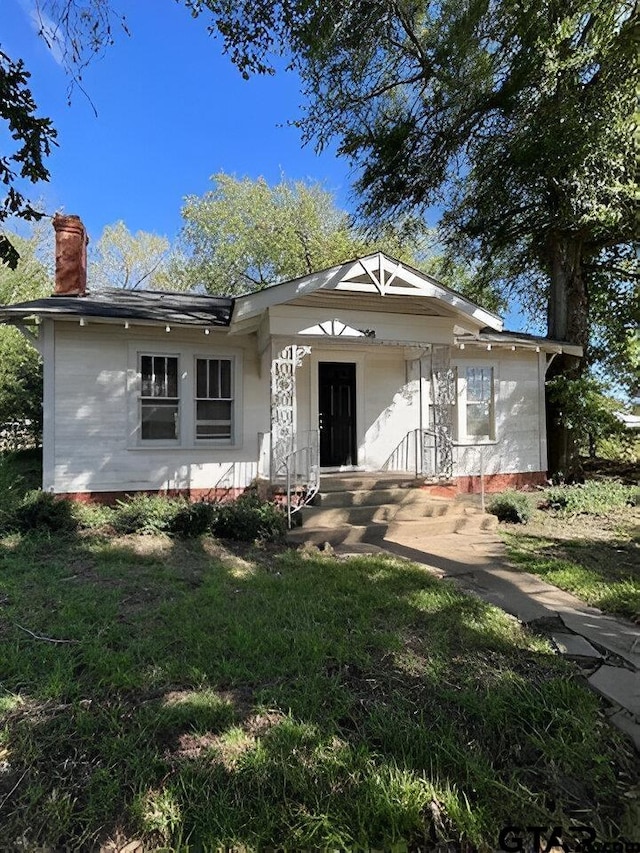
[(463, 437), (186, 352), (158, 442), (225, 441)]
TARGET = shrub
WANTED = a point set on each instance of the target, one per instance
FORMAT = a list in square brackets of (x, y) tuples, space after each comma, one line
[(511, 506), (193, 519), (43, 511), (249, 518), (595, 497), (147, 514), (91, 516), (11, 486)]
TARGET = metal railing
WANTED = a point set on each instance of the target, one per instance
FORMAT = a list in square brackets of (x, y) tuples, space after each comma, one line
[(424, 451), (299, 472)]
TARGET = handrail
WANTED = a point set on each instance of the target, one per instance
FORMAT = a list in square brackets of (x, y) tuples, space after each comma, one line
[(301, 470), (424, 450)]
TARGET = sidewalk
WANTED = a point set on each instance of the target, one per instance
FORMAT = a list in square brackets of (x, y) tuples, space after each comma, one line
[(607, 649)]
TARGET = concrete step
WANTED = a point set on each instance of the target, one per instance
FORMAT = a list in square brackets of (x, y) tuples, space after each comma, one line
[(345, 534), (361, 497), (357, 482), (354, 515)]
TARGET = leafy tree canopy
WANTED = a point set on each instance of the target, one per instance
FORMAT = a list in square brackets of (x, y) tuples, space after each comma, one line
[(20, 366), (518, 119), (122, 259), (245, 235)]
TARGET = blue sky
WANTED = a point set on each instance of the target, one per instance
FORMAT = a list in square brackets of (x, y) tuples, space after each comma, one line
[(172, 111)]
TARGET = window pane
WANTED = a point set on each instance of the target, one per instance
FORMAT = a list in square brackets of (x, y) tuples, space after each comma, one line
[(214, 383), (201, 378), (205, 430), (146, 373), (159, 420), (214, 410), (479, 384), (478, 420), (172, 377), (225, 378)]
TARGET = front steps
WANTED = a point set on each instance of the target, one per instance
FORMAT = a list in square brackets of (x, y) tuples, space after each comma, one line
[(371, 507)]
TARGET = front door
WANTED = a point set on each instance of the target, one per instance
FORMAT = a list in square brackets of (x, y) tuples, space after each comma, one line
[(337, 413)]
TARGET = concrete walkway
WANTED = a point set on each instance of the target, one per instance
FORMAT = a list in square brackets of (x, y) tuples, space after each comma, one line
[(607, 649)]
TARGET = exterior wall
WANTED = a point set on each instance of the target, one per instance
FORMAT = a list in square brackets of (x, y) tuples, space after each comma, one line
[(519, 441), (93, 446), (290, 320)]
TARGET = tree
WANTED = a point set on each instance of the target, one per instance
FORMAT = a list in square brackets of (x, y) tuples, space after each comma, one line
[(20, 365), (34, 136), (246, 235), (79, 31), (122, 259), (516, 118)]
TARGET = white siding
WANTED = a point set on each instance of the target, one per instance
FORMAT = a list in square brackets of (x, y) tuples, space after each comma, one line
[(92, 444), (95, 443), (517, 444)]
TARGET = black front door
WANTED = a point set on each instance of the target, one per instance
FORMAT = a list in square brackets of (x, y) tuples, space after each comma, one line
[(337, 411)]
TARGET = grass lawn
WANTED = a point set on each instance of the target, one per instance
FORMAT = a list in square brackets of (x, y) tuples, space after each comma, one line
[(596, 557), (180, 693)]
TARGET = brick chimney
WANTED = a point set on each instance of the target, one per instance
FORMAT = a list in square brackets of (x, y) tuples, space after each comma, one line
[(71, 256)]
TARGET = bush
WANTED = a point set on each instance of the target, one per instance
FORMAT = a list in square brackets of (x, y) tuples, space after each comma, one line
[(511, 506), (42, 511), (595, 497), (147, 514), (193, 519), (249, 518), (11, 486)]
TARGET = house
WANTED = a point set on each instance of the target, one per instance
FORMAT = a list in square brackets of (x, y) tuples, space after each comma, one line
[(368, 366)]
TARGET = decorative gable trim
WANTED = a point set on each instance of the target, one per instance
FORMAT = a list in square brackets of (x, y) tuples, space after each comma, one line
[(334, 328)]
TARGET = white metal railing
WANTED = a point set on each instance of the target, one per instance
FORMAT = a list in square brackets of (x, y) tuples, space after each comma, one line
[(299, 472), (425, 451)]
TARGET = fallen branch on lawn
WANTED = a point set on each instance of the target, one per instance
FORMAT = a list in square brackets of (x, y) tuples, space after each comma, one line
[(44, 639)]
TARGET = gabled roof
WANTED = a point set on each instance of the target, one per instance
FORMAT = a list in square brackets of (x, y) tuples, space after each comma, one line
[(183, 309), (377, 275)]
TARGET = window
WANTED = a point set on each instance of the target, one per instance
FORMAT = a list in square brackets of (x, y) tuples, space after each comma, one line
[(214, 399), (159, 399), (479, 402)]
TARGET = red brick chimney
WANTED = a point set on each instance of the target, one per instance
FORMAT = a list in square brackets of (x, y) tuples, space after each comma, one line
[(71, 256)]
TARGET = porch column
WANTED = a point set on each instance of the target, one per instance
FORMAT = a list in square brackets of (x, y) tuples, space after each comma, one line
[(283, 404), (443, 379)]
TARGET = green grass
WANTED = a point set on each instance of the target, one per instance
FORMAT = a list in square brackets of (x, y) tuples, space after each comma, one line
[(613, 586), (589, 547), (268, 698)]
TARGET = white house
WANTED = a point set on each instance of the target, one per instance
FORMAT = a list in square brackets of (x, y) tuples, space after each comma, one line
[(369, 366)]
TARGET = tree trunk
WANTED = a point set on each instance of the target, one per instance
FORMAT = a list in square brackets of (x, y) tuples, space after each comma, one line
[(567, 320)]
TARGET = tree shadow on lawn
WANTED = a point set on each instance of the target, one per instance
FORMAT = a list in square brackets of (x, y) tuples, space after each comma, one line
[(603, 573), (270, 698)]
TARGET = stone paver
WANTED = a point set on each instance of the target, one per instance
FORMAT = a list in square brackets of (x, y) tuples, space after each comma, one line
[(575, 646), (616, 636), (620, 685), (624, 721)]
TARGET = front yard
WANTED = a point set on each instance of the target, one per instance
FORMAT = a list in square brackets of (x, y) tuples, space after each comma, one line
[(183, 693), (594, 556)]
